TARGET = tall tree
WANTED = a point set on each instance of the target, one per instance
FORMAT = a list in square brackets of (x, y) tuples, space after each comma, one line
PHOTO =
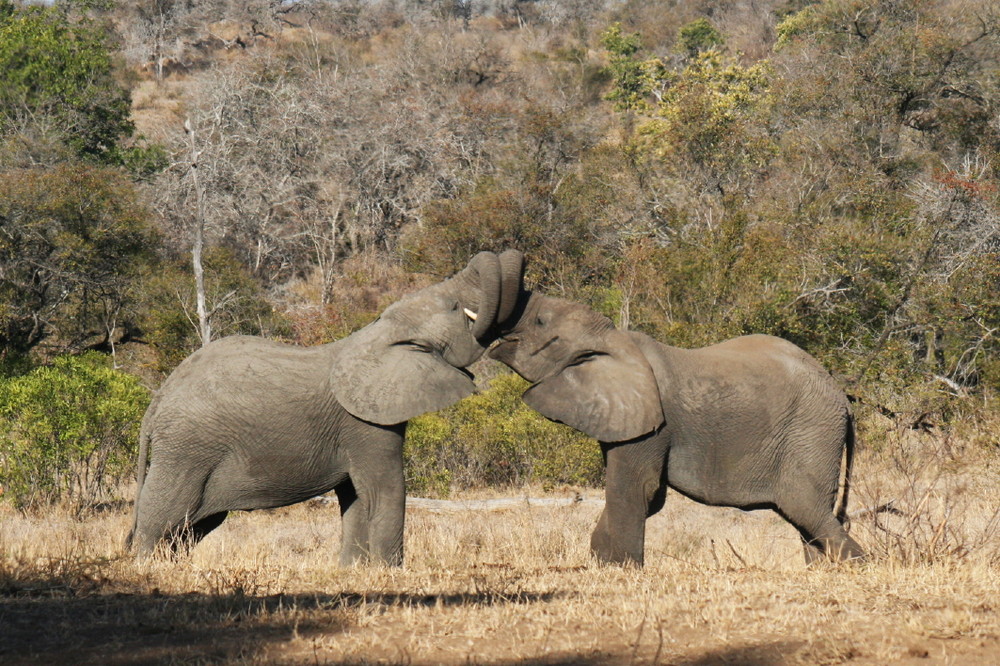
[(73, 240)]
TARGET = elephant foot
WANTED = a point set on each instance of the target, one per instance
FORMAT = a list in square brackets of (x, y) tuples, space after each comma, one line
[(614, 554), (842, 552)]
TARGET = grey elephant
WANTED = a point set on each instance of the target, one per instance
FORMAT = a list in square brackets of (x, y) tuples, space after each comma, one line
[(753, 422), (246, 423)]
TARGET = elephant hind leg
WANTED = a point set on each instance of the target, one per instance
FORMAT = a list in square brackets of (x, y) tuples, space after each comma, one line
[(190, 531), (823, 537), (199, 529), (169, 510)]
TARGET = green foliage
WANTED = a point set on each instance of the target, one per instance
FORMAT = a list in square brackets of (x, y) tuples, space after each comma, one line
[(69, 431), (494, 439), (72, 241), (630, 75), (143, 160), (236, 303), (796, 25), (59, 72), (618, 44), (697, 36), (714, 115)]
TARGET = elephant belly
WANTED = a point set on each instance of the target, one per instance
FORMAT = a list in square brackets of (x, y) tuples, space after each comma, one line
[(700, 473), (268, 482)]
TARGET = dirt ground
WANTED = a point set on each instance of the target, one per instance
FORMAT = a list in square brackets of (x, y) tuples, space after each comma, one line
[(515, 586)]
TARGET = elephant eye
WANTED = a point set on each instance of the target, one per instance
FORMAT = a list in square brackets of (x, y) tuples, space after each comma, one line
[(539, 321), (586, 356), (414, 345)]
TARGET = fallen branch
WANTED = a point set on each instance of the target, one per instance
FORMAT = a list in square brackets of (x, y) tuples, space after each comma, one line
[(507, 503), (875, 510), (501, 504)]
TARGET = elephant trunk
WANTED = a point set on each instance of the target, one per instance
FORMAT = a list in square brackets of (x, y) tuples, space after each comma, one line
[(484, 271), (511, 284), (520, 311)]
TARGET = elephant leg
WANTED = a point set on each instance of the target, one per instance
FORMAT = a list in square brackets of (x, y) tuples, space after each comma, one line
[(823, 537), (635, 489), (186, 535), (169, 501), (201, 528), (354, 533), (812, 553), (375, 515)]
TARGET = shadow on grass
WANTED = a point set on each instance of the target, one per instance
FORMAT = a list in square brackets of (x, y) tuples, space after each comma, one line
[(763, 654), (154, 628), (775, 653)]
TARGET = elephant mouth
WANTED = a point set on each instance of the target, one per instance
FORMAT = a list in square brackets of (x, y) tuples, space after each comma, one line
[(551, 341), (506, 352), (504, 349)]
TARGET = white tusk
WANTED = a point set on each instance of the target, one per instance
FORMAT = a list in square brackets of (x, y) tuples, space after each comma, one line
[(470, 314)]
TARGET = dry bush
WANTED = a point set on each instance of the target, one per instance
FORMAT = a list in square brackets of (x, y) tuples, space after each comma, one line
[(928, 498)]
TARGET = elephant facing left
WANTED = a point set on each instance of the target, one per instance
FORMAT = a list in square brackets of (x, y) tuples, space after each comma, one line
[(246, 423)]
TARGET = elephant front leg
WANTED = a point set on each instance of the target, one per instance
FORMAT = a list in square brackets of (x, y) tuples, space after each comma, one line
[(373, 501), (354, 528), (635, 490), (387, 513)]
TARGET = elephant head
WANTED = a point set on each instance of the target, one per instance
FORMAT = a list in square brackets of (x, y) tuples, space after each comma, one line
[(585, 372), (411, 360)]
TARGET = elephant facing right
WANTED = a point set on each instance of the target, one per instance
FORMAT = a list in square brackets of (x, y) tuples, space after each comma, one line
[(753, 422)]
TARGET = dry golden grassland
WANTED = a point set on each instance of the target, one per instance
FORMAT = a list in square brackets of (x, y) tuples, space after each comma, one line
[(518, 586)]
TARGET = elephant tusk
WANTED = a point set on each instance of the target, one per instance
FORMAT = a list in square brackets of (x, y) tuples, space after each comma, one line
[(470, 314)]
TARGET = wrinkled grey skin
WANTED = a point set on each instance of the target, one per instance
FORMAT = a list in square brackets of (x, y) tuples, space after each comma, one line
[(752, 422), (247, 423)]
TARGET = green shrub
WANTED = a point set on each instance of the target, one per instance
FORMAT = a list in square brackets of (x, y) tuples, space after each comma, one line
[(236, 301), (68, 431), (493, 439), (697, 36)]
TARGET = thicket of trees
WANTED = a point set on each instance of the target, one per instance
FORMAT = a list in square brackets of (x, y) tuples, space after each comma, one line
[(825, 171)]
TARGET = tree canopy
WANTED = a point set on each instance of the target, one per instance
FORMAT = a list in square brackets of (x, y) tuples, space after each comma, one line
[(58, 75)]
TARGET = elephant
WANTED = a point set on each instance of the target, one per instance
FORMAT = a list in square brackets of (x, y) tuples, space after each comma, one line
[(753, 422), (247, 423)]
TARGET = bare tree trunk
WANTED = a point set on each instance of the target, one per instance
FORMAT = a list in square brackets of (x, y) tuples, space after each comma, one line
[(326, 254), (158, 53), (204, 325)]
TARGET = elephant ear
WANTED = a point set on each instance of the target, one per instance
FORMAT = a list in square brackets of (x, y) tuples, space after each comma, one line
[(392, 384), (610, 395)]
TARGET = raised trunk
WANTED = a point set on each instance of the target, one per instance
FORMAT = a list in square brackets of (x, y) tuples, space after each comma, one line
[(484, 271), (511, 282)]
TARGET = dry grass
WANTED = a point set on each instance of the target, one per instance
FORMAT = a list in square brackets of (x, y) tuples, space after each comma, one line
[(518, 586)]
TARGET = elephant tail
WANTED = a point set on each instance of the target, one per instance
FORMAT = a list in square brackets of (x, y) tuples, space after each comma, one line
[(140, 477), (849, 442)]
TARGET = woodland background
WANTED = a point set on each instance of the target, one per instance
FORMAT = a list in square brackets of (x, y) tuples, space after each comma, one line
[(822, 171)]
